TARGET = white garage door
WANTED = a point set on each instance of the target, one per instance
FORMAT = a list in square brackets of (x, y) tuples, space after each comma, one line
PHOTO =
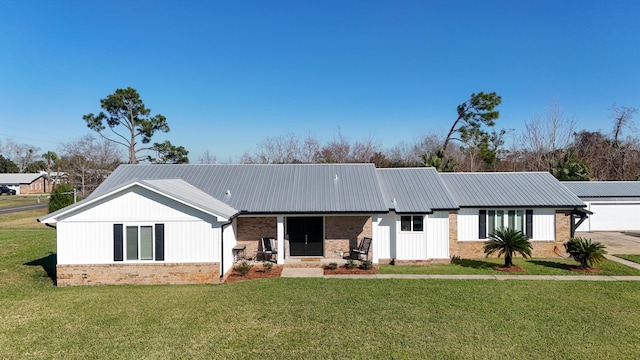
[(615, 216)]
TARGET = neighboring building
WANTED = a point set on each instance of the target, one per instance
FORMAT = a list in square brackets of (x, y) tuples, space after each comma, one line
[(179, 223), (26, 183), (615, 204)]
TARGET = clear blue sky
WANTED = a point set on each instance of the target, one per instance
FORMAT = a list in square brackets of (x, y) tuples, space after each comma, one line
[(226, 74)]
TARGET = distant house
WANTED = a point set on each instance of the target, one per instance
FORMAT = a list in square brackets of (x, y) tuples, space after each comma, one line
[(181, 223), (26, 183), (615, 204)]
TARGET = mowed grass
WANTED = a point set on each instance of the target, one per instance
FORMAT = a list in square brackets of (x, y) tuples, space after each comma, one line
[(306, 318), (634, 258), (484, 266), (7, 201)]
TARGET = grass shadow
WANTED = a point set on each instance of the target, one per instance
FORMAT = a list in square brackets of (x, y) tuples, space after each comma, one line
[(552, 264), (476, 264), (48, 263)]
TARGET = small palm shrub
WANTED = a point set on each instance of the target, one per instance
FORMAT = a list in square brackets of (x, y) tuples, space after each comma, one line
[(267, 266), (332, 266), (366, 265), (507, 242), (242, 268), (351, 264), (585, 252)]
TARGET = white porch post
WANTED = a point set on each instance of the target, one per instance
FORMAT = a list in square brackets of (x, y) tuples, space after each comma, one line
[(375, 219), (280, 238)]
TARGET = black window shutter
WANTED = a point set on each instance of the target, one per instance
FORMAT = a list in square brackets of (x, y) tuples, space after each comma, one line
[(529, 224), (482, 224), (117, 242), (159, 242)]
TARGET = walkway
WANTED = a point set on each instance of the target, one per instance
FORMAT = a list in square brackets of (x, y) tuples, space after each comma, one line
[(319, 273)]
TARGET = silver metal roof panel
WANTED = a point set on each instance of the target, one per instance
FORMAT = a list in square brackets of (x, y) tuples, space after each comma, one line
[(602, 189), (299, 188), (415, 190), (521, 189)]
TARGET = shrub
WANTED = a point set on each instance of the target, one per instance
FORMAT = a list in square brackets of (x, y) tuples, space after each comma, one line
[(508, 242), (61, 196), (585, 252), (351, 264), (242, 268), (332, 266), (267, 266), (366, 265)]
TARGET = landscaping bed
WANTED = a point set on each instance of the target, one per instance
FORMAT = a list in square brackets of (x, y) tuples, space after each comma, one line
[(256, 272)]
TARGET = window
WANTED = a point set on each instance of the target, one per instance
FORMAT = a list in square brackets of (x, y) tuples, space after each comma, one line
[(492, 220), (412, 223), (138, 242)]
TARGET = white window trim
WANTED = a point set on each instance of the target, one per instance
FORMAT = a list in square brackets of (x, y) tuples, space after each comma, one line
[(153, 242)]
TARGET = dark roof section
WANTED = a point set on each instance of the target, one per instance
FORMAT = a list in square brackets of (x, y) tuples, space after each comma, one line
[(415, 190), (604, 189), (316, 188), (521, 189)]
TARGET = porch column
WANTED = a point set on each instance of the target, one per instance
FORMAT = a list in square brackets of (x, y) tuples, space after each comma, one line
[(280, 238), (375, 247)]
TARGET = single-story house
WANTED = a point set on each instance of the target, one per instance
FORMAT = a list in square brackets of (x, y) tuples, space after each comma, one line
[(181, 223), (615, 204), (25, 183)]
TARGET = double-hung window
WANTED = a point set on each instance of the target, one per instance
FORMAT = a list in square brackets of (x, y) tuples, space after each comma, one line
[(517, 219), (413, 223), (138, 242)]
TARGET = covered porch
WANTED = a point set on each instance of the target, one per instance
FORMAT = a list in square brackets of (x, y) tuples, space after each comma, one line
[(304, 239)]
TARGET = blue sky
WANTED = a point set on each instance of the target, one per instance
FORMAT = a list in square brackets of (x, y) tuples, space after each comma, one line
[(227, 74)]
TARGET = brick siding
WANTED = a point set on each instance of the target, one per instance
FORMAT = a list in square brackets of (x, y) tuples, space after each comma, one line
[(252, 229), (138, 274), (343, 233)]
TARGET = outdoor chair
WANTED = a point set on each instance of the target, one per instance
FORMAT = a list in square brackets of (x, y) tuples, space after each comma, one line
[(362, 249), (268, 248)]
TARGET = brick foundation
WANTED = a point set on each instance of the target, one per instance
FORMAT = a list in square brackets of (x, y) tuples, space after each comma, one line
[(138, 274)]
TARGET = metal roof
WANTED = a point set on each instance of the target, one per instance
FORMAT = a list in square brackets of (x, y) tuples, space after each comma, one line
[(613, 189), (522, 189), (189, 194), (415, 190), (300, 188), (15, 179)]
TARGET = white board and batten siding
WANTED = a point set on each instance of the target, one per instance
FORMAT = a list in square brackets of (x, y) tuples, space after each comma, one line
[(612, 216), (189, 235), (544, 225), (431, 243)]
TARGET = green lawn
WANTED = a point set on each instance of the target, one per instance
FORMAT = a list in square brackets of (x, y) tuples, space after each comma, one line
[(305, 318), (7, 201), (634, 258), (485, 266)]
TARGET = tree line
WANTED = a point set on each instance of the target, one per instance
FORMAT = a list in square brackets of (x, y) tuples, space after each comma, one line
[(548, 142)]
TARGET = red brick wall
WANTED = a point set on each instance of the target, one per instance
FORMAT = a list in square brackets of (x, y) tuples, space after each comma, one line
[(138, 274), (252, 229), (36, 187), (343, 233)]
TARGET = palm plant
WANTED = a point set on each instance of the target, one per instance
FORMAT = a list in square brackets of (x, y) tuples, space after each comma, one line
[(585, 252), (507, 242)]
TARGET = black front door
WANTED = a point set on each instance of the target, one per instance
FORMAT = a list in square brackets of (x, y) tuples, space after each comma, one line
[(305, 236)]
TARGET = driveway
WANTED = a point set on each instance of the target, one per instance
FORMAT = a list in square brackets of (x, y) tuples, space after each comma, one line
[(615, 241)]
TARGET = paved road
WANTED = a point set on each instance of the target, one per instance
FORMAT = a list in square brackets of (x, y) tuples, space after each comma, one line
[(23, 208), (615, 241)]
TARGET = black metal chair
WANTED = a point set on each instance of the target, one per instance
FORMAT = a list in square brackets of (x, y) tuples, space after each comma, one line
[(268, 248), (362, 249)]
